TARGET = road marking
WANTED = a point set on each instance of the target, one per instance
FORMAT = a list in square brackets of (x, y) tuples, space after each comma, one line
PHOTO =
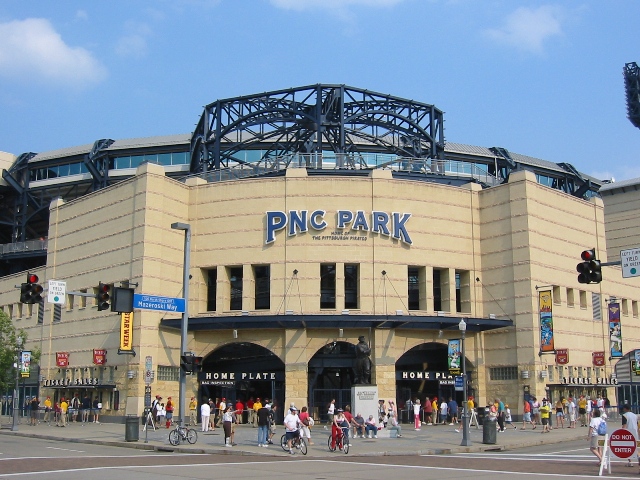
[(66, 449), (343, 465), (141, 454)]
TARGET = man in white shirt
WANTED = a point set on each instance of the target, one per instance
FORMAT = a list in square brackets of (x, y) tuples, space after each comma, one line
[(444, 409), (291, 424), (205, 413), (630, 423), (571, 407)]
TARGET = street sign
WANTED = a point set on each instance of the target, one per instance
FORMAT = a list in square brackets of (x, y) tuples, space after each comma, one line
[(622, 443), (57, 292), (147, 396), (156, 302), (148, 370), (630, 262), (459, 383)]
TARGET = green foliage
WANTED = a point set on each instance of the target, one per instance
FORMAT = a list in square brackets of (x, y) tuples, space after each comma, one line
[(8, 341)]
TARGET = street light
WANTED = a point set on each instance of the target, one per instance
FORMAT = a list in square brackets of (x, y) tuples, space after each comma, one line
[(185, 315), (466, 441), (16, 405)]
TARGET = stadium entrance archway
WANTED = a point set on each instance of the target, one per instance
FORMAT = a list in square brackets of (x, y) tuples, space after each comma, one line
[(423, 372), (240, 371), (330, 377)]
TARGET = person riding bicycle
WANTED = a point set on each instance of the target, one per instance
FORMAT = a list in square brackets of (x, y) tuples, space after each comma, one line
[(292, 426), (339, 426)]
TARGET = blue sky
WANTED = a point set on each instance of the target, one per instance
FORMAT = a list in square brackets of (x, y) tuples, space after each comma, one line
[(540, 79)]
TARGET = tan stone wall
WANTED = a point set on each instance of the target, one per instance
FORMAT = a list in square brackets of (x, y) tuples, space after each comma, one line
[(511, 238)]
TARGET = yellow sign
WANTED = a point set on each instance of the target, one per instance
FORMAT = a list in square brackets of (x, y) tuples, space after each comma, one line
[(126, 331)]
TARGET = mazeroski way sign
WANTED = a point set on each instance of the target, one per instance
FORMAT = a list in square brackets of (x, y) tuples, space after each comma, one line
[(155, 302)]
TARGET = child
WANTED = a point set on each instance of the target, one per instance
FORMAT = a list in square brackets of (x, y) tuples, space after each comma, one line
[(161, 414), (507, 416)]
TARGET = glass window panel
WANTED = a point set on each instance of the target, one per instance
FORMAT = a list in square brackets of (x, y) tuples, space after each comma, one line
[(74, 169), (63, 171), (164, 158), (151, 158), (122, 162), (136, 160), (180, 158)]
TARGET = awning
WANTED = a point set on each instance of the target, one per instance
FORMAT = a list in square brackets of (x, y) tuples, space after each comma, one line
[(253, 321)]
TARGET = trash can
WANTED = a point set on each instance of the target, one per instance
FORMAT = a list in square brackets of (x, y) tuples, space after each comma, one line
[(132, 428), (489, 432)]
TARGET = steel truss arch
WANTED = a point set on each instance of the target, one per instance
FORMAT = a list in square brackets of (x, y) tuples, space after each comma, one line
[(313, 119)]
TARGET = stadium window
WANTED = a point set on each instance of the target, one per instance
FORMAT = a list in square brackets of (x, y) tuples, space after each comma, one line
[(625, 307), (328, 285), (212, 277), (351, 280), (235, 282), (556, 295), (583, 299), (437, 291), (634, 308), (463, 291), (262, 276), (168, 374), (570, 297), (413, 287), (503, 373)]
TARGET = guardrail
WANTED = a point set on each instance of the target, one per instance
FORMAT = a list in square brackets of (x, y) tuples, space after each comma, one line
[(19, 247)]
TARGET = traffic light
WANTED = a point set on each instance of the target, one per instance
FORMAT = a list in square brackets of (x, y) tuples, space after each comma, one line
[(590, 269), (197, 364), (186, 363), (122, 300), (103, 296), (31, 291)]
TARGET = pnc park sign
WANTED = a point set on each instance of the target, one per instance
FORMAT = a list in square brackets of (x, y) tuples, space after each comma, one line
[(302, 221)]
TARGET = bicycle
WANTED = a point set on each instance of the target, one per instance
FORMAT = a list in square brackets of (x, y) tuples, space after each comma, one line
[(296, 442), (342, 443), (183, 434)]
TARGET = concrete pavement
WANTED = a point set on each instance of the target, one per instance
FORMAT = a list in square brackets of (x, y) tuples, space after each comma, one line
[(429, 440)]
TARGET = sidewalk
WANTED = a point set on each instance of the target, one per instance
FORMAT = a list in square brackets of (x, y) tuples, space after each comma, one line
[(429, 440)]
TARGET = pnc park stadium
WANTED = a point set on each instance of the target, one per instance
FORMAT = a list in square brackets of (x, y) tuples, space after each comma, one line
[(255, 252)]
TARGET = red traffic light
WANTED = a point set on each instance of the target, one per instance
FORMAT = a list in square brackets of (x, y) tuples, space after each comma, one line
[(32, 278), (588, 255)]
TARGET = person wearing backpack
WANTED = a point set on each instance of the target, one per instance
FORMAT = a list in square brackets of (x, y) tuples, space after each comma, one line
[(597, 425)]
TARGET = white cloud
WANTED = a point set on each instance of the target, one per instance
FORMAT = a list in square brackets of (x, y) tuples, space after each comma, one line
[(82, 15), (32, 49), (528, 28), (134, 43)]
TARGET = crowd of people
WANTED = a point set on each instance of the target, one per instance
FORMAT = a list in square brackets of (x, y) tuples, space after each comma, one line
[(66, 410)]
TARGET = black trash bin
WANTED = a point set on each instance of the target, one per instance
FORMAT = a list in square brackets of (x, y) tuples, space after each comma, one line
[(132, 428), (489, 431)]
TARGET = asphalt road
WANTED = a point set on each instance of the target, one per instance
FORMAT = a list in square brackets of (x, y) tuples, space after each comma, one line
[(31, 458)]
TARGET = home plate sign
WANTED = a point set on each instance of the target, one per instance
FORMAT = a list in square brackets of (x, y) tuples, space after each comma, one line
[(622, 443)]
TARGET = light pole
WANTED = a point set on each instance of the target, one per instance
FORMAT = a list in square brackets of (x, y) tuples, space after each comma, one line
[(466, 441), (16, 405), (185, 315)]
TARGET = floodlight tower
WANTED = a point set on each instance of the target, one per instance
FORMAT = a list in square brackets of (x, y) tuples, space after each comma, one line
[(631, 74)]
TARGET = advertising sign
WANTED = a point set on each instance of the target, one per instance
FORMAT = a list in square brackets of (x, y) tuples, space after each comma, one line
[(62, 359), (598, 359), (126, 331), (453, 359), (99, 356), (25, 364), (546, 321), (562, 356), (615, 330)]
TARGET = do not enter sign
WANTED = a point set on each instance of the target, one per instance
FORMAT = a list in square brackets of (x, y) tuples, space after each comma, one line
[(622, 443)]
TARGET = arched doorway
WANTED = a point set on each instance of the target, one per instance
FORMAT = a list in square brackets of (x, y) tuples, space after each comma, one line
[(242, 371), (423, 372), (330, 377)]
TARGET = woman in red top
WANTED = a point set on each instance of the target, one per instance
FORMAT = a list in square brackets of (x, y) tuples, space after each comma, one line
[(427, 411), (169, 409), (239, 410)]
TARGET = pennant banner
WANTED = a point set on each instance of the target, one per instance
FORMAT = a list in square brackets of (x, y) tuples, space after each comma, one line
[(62, 359), (454, 357), (99, 357), (25, 364), (615, 330), (126, 331), (546, 322), (562, 356)]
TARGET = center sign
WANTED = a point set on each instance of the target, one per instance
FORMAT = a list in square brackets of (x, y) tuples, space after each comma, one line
[(300, 221)]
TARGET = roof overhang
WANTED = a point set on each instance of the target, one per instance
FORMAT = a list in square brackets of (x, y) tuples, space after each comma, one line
[(253, 321)]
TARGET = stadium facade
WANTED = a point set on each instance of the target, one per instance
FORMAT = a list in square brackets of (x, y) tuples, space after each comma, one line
[(317, 215)]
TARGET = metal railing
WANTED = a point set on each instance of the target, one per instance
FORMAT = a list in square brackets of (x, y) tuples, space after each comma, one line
[(350, 161), (28, 246)]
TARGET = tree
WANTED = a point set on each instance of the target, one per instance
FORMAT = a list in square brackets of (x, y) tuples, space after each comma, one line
[(8, 342)]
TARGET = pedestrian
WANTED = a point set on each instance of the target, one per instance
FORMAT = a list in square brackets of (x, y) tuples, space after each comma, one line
[(582, 410), (393, 421), (34, 406), (571, 410), (307, 423), (444, 408), (162, 413), (212, 415), (193, 412), (382, 413), (205, 414), (331, 410), (630, 423), (545, 412), (64, 406), (501, 414), (57, 413), (257, 405), (272, 423), (251, 418), (86, 408), (427, 411), (507, 417), (47, 410), (239, 411), (358, 426), (370, 427), (535, 410), (593, 435), (262, 418), (526, 416), (168, 408), (434, 411), (416, 414), (291, 425), (453, 411), (227, 421), (559, 413), (222, 407), (589, 410), (74, 407)]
